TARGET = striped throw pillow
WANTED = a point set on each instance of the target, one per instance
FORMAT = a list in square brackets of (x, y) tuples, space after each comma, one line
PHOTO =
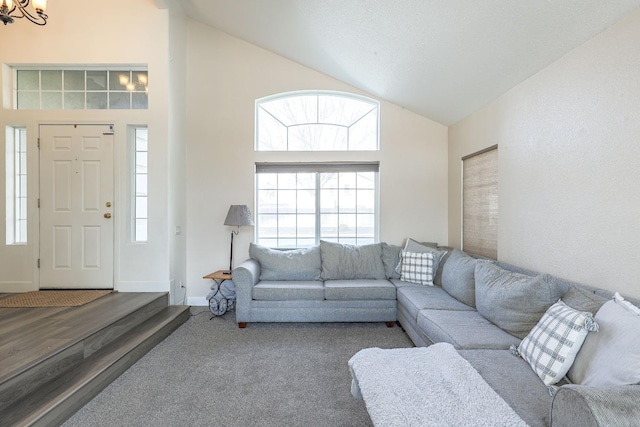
[(552, 345), (417, 267)]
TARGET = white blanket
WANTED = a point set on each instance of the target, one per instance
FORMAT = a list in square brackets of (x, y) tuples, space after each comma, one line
[(426, 386)]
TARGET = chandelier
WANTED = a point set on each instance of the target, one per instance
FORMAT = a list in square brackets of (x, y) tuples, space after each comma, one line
[(10, 9)]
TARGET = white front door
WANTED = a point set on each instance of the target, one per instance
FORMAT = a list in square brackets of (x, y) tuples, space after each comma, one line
[(76, 206)]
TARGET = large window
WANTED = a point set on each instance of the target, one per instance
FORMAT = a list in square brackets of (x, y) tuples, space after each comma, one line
[(141, 189), (316, 121), (79, 89), (480, 203), (16, 185), (300, 203)]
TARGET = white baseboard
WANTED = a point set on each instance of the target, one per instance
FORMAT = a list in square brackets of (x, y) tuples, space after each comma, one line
[(142, 287), (14, 287), (197, 301)]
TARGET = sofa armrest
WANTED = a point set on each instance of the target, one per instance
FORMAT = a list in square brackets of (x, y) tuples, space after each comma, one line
[(245, 277), (576, 405)]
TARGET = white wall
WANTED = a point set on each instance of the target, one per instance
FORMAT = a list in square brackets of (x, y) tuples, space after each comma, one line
[(125, 32), (568, 157), (177, 153), (225, 77)]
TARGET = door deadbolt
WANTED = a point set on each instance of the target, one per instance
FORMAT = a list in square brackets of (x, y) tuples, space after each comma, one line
[(107, 215), (108, 204)]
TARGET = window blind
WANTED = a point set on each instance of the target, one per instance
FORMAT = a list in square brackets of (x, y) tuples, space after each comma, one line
[(480, 203), (306, 167)]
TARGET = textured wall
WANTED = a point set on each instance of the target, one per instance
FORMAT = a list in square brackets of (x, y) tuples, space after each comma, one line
[(568, 157)]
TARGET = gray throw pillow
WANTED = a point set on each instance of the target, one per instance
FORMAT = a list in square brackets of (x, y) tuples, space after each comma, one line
[(611, 356), (583, 300), (458, 277), (417, 247), (391, 259), (345, 262), (513, 301), (294, 264)]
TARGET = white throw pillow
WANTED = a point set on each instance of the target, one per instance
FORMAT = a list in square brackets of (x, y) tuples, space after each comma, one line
[(612, 356), (417, 267), (552, 345)]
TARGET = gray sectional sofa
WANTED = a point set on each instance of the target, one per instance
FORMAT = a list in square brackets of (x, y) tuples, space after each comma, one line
[(480, 307)]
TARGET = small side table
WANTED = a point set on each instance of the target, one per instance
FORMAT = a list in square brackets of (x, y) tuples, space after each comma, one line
[(221, 298)]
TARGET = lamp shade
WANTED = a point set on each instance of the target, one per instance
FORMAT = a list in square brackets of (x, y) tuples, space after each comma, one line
[(238, 215)]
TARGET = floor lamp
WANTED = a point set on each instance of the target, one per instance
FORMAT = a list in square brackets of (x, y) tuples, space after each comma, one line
[(238, 216)]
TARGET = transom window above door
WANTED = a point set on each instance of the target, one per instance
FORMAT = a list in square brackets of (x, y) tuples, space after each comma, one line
[(47, 88), (317, 121)]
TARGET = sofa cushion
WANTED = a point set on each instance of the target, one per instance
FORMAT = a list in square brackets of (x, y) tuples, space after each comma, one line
[(415, 298), (611, 357), (359, 289), (426, 247), (513, 301), (513, 379), (551, 346), (288, 290), (345, 262), (463, 329), (583, 300), (458, 277), (391, 260), (295, 264), (417, 267)]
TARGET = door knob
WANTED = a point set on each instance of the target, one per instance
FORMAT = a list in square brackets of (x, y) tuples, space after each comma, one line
[(107, 215)]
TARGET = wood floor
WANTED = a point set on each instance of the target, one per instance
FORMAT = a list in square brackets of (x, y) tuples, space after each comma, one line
[(54, 360)]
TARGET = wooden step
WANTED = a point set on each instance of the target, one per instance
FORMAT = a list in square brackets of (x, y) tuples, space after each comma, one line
[(52, 403), (43, 348)]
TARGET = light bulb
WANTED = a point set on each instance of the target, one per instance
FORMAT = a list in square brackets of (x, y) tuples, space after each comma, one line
[(40, 5), (8, 3)]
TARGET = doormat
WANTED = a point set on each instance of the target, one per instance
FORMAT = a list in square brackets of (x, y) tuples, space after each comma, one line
[(51, 299)]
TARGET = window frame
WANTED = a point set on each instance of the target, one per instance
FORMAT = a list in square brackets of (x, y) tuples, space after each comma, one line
[(135, 215), (306, 93), (317, 169), (134, 89), (16, 192)]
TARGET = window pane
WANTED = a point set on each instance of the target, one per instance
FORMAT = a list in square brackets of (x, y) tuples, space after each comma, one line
[(118, 80), (328, 201), (74, 80), (341, 109), (52, 100), (140, 101), (141, 230), (141, 185), (97, 80), (287, 225), (272, 135), (317, 137), (366, 201), (268, 180), (28, 80), (74, 101), (307, 226), (267, 201), (347, 201), (306, 201), (141, 207), (119, 100), (51, 79), (96, 100), (141, 162), (363, 135), (28, 100), (287, 201)]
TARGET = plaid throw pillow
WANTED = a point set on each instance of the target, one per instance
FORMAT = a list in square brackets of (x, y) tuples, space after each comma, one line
[(552, 345), (417, 267)]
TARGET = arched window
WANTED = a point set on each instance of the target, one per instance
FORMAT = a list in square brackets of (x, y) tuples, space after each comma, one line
[(317, 121)]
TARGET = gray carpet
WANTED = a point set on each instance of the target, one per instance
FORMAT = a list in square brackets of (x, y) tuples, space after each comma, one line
[(211, 373)]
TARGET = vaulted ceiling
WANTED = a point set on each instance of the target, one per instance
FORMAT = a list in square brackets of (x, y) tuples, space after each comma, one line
[(442, 59)]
